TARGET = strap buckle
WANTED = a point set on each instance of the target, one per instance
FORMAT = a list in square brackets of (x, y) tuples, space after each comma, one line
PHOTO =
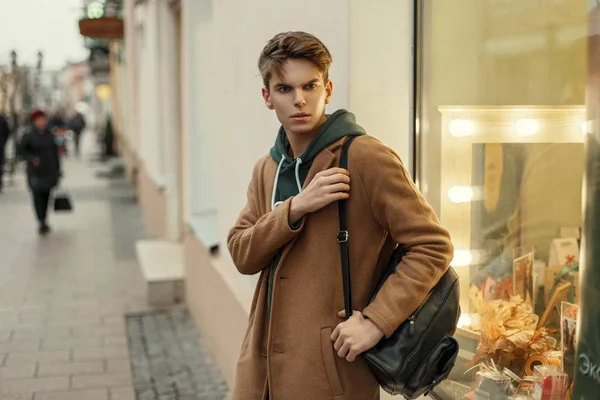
[(342, 236)]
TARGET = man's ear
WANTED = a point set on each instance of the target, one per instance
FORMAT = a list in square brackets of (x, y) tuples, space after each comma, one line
[(328, 91), (267, 98)]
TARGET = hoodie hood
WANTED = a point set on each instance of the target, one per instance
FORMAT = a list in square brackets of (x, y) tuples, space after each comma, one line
[(292, 173)]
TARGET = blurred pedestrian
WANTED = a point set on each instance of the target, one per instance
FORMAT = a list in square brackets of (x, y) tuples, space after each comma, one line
[(4, 133), (77, 125), (58, 126), (40, 150)]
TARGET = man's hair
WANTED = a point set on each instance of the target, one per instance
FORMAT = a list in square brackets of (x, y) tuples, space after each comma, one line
[(293, 46)]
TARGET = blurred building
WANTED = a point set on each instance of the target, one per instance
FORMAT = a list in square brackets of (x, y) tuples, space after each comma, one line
[(75, 81)]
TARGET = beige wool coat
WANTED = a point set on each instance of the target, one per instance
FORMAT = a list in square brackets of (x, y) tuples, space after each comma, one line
[(290, 356)]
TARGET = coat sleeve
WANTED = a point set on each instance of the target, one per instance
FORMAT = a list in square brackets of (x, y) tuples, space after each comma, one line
[(401, 210), (255, 239)]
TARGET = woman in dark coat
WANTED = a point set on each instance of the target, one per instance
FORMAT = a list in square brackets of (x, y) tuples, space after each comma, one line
[(39, 149)]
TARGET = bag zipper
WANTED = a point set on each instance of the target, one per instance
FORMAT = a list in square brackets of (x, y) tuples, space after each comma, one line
[(433, 320)]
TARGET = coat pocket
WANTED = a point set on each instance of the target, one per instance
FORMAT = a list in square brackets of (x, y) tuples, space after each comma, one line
[(328, 352)]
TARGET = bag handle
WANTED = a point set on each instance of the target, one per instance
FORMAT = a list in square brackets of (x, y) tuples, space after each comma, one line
[(343, 235)]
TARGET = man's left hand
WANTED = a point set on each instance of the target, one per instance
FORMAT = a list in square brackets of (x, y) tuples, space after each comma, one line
[(355, 336)]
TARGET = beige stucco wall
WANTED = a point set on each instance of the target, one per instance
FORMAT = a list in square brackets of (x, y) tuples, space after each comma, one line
[(152, 202), (218, 312)]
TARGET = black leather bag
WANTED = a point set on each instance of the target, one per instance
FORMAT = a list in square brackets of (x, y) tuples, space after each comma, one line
[(421, 352), (62, 202)]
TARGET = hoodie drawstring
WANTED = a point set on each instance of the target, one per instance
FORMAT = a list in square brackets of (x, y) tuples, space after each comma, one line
[(298, 163), (273, 204)]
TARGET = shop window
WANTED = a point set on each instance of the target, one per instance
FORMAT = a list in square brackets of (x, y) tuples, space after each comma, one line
[(503, 124)]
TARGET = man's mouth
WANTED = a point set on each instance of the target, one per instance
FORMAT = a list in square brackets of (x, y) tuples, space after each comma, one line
[(300, 115)]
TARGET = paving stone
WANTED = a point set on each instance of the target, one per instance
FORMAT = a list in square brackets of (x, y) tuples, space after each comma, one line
[(100, 381), (17, 396), (118, 365), (72, 343), (125, 393), (99, 354), (20, 345), (34, 385), (96, 394), (33, 333), (115, 341), (30, 358), (73, 368), (101, 330), (17, 372)]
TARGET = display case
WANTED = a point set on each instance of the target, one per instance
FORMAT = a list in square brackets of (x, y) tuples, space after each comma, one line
[(511, 179)]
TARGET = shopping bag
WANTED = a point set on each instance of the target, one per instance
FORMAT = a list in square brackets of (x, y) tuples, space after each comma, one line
[(62, 201)]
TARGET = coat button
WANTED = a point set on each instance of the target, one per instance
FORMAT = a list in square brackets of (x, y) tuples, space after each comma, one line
[(264, 351)]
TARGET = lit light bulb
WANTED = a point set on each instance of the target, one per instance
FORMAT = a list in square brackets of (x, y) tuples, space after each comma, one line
[(460, 194), (527, 127), (95, 10), (464, 321), (587, 127), (462, 258), (461, 127)]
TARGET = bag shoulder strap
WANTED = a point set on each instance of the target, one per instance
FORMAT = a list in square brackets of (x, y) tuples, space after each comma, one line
[(343, 235)]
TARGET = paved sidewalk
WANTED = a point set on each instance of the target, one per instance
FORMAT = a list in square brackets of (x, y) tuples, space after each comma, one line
[(63, 297)]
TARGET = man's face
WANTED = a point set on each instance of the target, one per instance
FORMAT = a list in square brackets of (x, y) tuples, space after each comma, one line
[(40, 123), (298, 96)]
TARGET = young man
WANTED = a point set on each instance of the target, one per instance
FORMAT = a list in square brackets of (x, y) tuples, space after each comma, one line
[(298, 345)]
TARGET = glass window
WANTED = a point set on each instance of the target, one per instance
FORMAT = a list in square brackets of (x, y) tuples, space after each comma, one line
[(502, 124)]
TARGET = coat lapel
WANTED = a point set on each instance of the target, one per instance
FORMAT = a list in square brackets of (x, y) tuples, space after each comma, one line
[(324, 160)]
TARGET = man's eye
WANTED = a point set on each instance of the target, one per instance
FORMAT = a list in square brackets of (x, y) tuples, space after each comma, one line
[(311, 86), (283, 89)]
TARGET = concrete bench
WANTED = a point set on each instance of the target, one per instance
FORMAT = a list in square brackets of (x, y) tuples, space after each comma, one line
[(161, 263)]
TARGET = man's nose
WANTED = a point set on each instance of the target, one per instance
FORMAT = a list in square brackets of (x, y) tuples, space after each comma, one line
[(299, 99)]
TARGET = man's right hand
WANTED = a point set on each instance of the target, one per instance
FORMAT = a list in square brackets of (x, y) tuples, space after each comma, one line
[(327, 186)]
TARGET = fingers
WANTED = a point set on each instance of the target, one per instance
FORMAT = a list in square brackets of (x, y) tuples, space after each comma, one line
[(335, 178), (343, 351), (339, 187), (335, 334), (333, 171), (337, 196), (338, 344), (351, 356)]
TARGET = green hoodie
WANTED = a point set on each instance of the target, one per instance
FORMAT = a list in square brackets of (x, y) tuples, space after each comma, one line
[(292, 173)]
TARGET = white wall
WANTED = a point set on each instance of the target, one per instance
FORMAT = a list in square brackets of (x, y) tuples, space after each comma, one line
[(130, 86), (148, 88), (169, 107), (153, 78), (381, 71)]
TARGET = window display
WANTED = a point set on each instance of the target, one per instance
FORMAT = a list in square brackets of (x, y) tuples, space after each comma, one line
[(502, 126)]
